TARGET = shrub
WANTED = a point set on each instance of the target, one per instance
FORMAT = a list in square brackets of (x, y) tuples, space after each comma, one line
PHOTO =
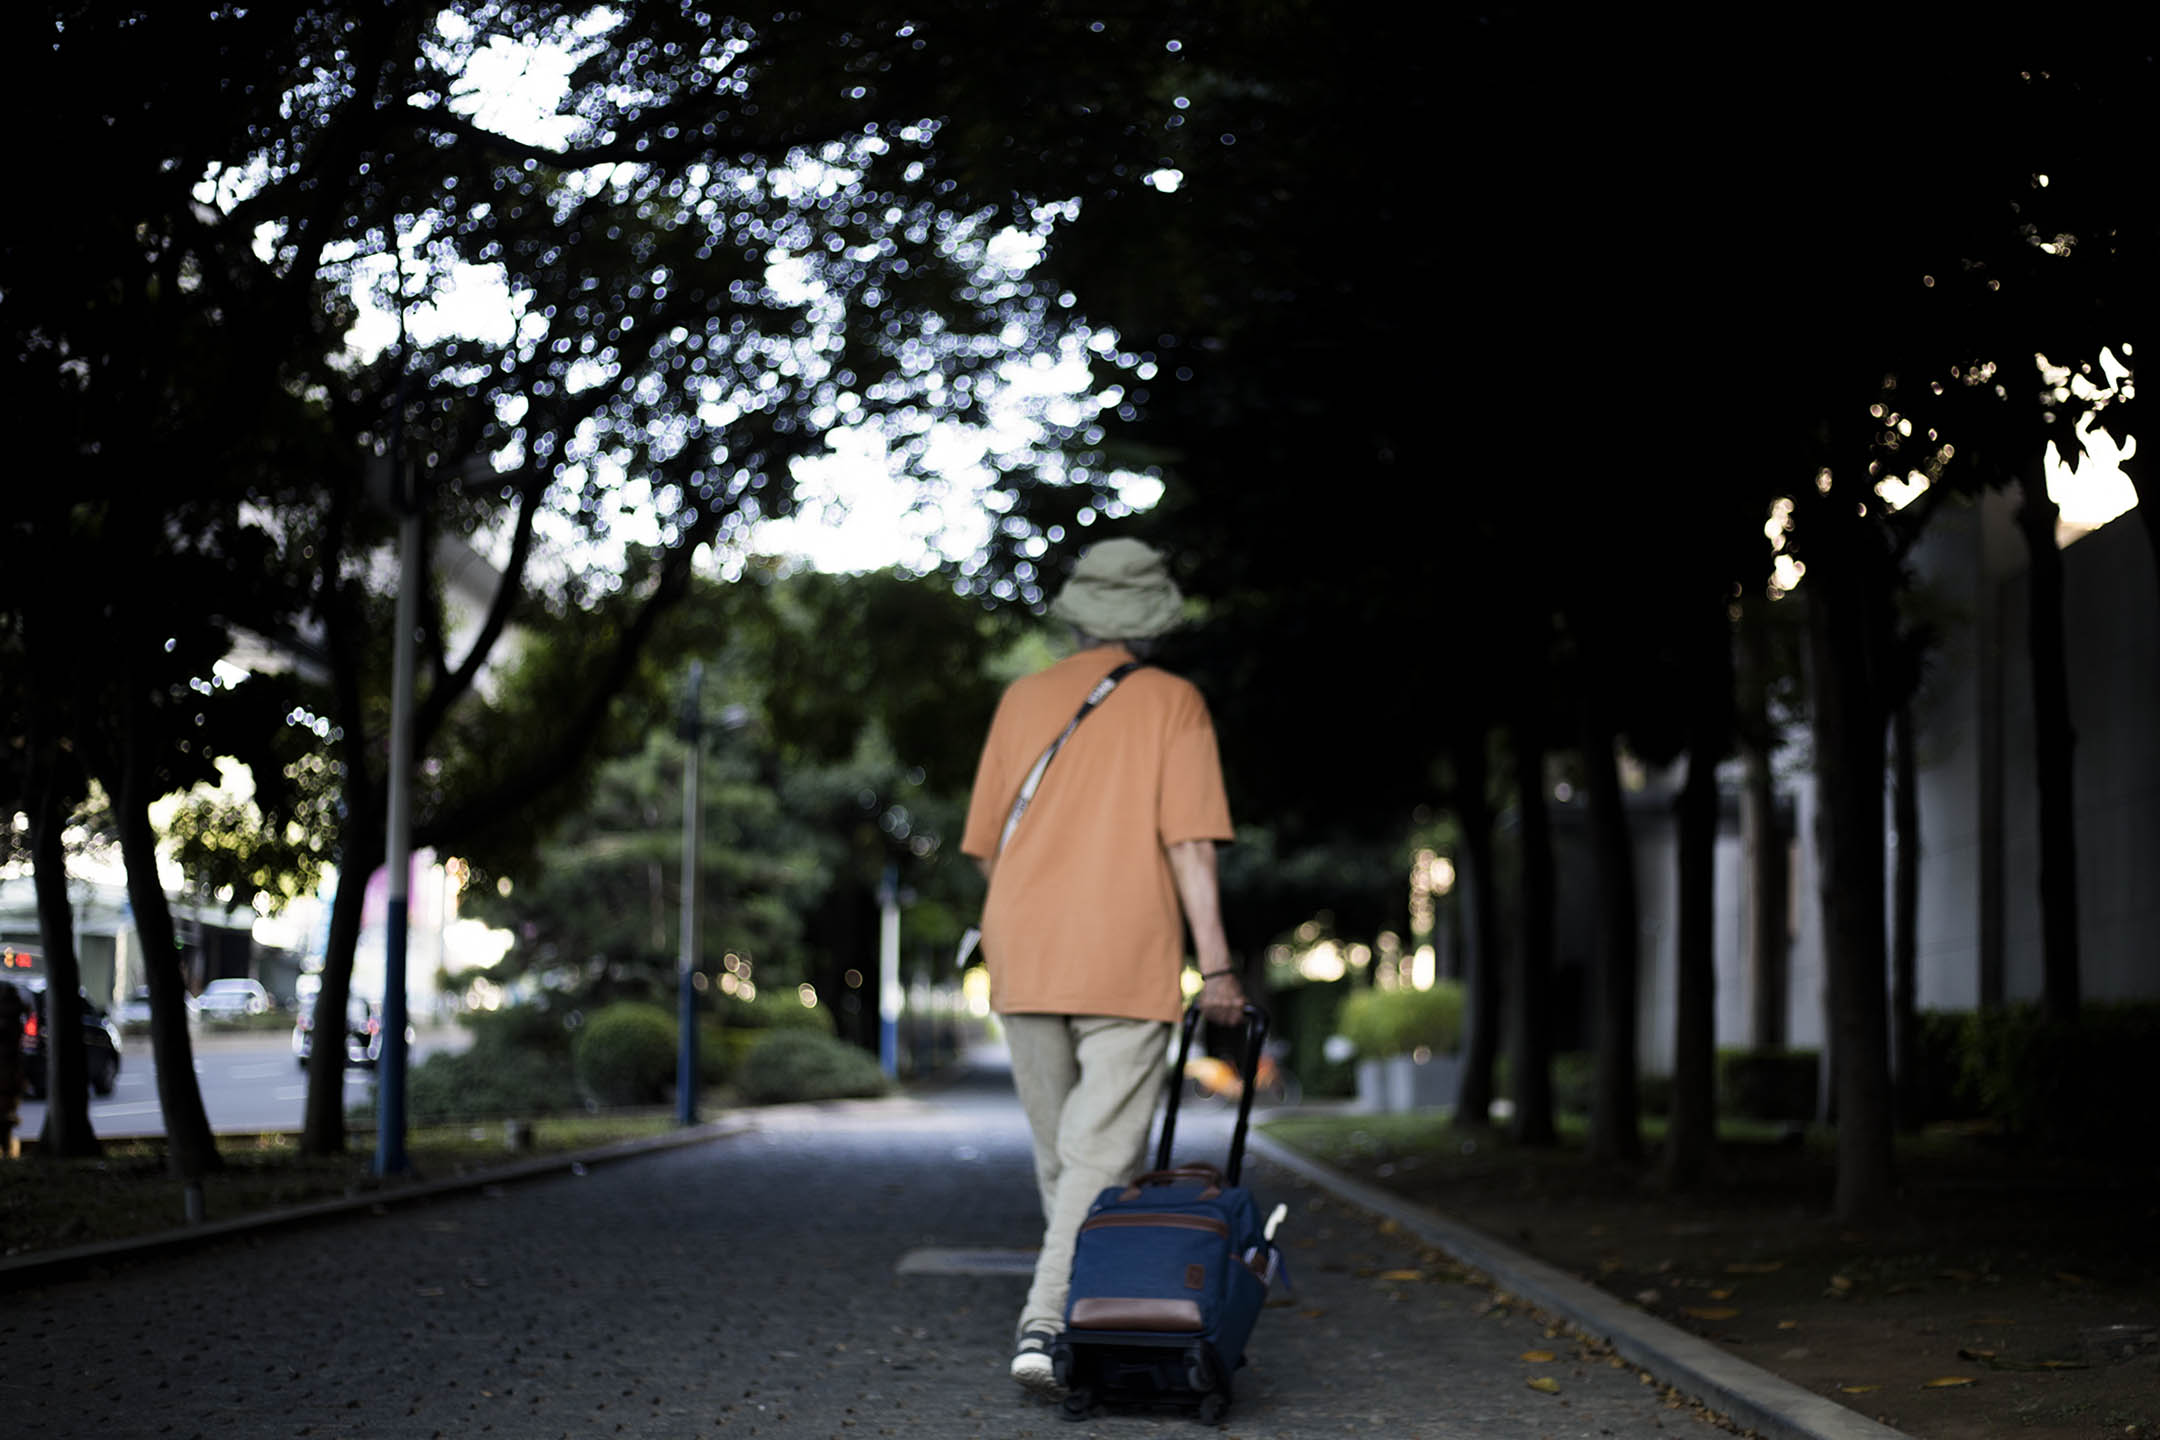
[(1381, 1023), (1304, 1015), (1938, 1089), (716, 1057), (1769, 1084), (2057, 1083), (796, 1064), (775, 1008), (475, 1085), (625, 1055), (537, 1027)]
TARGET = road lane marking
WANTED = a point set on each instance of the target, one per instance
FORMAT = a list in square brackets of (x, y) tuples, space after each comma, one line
[(254, 1072), (139, 1107), (982, 1260)]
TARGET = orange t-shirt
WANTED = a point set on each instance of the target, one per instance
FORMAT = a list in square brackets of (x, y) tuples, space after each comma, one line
[(1082, 916)]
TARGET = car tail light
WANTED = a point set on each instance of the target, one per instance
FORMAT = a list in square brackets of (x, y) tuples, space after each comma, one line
[(29, 1026)]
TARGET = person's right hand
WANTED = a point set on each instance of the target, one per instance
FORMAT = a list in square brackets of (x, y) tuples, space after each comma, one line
[(1222, 999)]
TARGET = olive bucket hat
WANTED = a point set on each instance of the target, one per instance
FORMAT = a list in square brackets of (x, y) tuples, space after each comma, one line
[(1120, 590)]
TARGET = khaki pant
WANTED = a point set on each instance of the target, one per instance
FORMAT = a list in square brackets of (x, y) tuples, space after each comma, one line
[(1089, 1084)]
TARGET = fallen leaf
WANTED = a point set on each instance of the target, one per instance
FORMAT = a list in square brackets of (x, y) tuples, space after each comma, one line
[(2063, 1365), (1545, 1383), (431, 1290), (1537, 1357), (1947, 1382), (1710, 1312), (1754, 1267), (1788, 1324), (1646, 1297), (2068, 1278), (1608, 1267), (1858, 1389), (1402, 1275), (1391, 1227), (1721, 1294), (1841, 1282), (1963, 1277), (1312, 1314)]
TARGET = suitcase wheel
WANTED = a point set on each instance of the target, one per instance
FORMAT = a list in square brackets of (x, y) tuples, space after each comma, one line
[(1199, 1372), (1212, 1406), (1077, 1403)]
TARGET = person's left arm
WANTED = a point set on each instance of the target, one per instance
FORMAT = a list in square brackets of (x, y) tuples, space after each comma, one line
[(1222, 993)]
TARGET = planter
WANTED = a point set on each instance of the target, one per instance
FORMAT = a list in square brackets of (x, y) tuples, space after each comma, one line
[(1414, 1084), (1372, 1085), (1402, 1083)]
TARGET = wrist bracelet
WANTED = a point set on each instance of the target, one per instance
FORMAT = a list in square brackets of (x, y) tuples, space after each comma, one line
[(1211, 974)]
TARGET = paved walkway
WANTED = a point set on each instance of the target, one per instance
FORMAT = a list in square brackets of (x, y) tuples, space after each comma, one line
[(755, 1286)]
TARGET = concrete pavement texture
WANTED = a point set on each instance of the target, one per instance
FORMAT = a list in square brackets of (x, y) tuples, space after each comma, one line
[(771, 1283)]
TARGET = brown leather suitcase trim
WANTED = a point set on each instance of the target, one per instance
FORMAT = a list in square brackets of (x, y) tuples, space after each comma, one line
[(1172, 1222), (1103, 1313)]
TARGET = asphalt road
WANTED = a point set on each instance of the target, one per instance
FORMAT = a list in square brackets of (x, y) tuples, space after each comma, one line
[(250, 1082), (782, 1282)]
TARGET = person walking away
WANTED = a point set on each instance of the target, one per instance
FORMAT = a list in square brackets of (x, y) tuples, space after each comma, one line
[(1089, 898)]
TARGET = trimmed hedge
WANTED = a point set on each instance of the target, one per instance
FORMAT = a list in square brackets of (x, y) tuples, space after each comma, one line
[(1381, 1023), (796, 1064), (1776, 1085), (477, 1085), (625, 1055), (777, 1008), (2061, 1084)]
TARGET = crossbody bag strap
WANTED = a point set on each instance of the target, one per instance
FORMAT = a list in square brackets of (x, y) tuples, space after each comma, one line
[(1095, 697)]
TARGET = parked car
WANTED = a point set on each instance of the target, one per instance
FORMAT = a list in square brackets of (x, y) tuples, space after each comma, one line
[(135, 1010), (230, 999), (101, 1044), (363, 1032)]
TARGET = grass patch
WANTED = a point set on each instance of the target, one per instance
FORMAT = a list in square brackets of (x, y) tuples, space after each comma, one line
[(127, 1192)]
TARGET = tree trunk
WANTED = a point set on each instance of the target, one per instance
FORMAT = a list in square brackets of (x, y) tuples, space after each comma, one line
[(360, 848), (2148, 504), (2053, 744), (67, 1130), (1531, 1061), (1905, 932), (1615, 1111), (1481, 940), (1691, 1137), (1766, 846), (190, 1148), (1848, 625)]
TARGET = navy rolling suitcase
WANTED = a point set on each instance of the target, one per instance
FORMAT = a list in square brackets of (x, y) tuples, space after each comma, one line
[(1169, 1273)]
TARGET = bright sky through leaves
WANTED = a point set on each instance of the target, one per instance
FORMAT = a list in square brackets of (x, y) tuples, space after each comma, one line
[(855, 512)]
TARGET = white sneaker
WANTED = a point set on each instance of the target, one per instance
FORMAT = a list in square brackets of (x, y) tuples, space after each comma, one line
[(1031, 1365)]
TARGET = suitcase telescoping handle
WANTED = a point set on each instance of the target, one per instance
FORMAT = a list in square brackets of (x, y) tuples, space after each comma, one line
[(1256, 1030)]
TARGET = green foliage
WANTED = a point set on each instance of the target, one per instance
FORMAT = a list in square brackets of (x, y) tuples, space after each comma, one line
[(775, 1009), (539, 1028), (1939, 1091), (1381, 1023), (485, 1085), (1769, 1084), (1304, 1016), (2049, 1083), (626, 1054), (805, 1065)]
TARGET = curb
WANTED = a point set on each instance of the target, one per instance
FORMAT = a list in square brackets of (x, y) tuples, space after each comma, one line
[(50, 1265), (1748, 1394)]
